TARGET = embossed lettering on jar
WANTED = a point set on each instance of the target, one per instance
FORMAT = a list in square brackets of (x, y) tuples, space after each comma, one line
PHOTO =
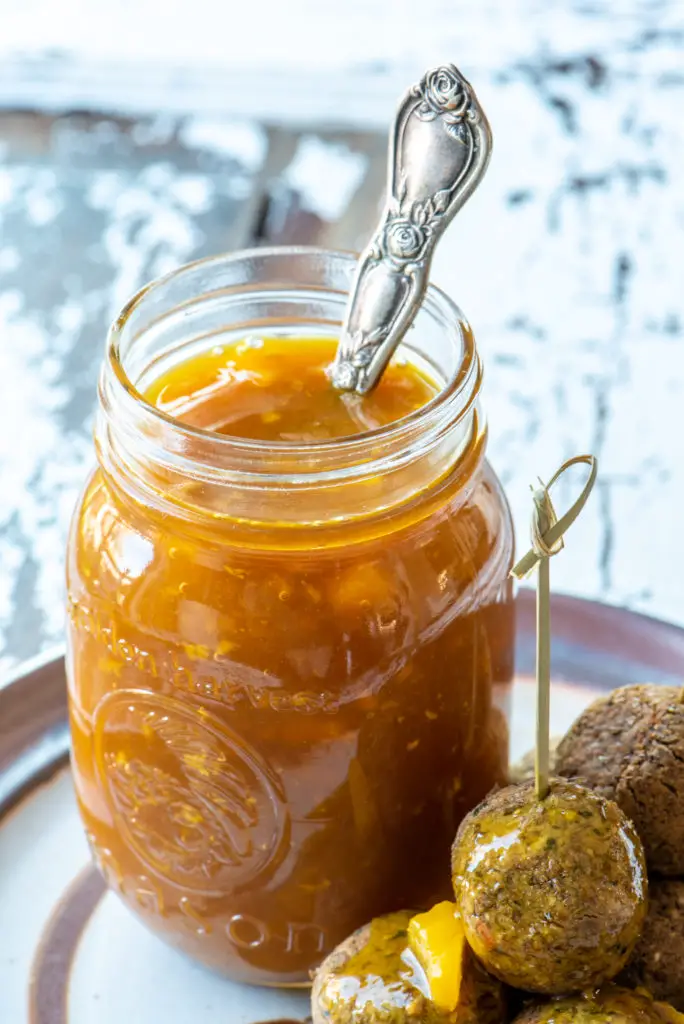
[(288, 661)]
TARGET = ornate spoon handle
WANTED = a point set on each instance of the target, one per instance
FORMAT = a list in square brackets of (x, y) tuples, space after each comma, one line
[(440, 144)]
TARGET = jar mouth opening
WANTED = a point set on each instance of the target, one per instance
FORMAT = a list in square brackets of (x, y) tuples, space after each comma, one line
[(451, 402)]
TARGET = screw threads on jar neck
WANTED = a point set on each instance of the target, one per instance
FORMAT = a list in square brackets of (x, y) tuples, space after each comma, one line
[(194, 473)]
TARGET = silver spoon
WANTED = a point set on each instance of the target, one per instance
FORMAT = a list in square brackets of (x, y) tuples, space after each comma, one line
[(440, 144)]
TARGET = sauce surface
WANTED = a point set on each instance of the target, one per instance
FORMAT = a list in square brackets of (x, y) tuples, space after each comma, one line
[(274, 389), (272, 745)]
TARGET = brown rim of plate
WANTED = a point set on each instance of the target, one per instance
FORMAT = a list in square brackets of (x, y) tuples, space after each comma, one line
[(54, 957), (34, 730)]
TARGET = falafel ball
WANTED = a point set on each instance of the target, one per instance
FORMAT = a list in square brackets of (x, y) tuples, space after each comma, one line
[(629, 747), (372, 978), (610, 1005), (658, 960), (552, 893)]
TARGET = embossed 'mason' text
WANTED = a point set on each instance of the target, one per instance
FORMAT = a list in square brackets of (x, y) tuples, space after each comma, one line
[(176, 674), (242, 930)]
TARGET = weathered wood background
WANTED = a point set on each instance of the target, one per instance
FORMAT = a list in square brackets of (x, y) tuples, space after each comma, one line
[(568, 262)]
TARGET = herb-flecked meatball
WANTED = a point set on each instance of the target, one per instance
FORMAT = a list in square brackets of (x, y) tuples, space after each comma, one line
[(658, 960), (552, 893), (371, 978), (629, 747), (610, 1005)]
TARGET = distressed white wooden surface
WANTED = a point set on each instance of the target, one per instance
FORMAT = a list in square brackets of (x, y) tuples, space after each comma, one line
[(568, 262), (305, 58)]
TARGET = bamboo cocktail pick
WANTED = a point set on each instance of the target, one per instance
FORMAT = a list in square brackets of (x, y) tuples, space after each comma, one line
[(547, 540)]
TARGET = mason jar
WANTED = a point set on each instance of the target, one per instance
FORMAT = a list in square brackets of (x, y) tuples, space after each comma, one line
[(288, 662)]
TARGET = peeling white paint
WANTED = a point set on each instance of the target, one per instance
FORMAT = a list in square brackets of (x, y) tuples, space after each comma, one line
[(9, 258), (41, 207), (325, 175), (244, 141), (193, 192), (153, 215)]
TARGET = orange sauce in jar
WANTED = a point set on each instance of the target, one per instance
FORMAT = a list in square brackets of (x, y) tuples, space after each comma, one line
[(276, 731), (276, 390)]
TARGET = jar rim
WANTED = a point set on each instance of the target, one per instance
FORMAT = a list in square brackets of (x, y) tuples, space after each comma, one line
[(451, 402)]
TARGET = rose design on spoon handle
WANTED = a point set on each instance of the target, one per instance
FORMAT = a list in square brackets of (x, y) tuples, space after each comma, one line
[(440, 144)]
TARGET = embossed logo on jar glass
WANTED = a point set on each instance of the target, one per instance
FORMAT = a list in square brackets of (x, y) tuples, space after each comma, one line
[(198, 805)]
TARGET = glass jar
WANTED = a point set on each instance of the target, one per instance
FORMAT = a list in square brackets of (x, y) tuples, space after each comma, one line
[(288, 663)]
